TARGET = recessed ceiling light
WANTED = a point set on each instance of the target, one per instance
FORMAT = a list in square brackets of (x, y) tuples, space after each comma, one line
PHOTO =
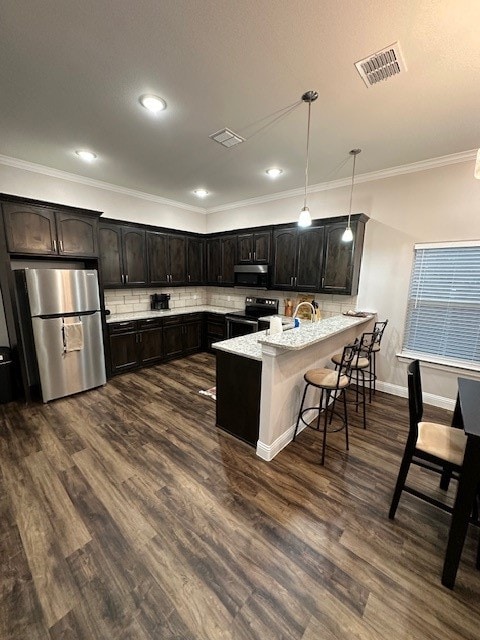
[(273, 172), (88, 156), (153, 103), (201, 193)]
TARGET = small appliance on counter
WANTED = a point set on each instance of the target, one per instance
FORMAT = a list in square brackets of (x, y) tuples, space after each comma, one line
[(159, 301)]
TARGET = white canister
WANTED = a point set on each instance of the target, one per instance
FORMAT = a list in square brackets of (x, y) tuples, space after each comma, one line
[(275, 325)]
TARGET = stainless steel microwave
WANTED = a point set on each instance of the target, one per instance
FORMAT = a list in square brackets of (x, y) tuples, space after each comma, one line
[(251, 275)]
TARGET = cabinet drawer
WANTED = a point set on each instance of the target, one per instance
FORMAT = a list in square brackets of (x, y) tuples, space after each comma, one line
[(122, 327), (193, 317), (150, 323), (173, 320)]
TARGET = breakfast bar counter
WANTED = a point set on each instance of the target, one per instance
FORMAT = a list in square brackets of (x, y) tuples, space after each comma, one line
[(269, 394)]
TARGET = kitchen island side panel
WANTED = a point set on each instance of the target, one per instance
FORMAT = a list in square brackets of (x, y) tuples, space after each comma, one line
[(238, 395)]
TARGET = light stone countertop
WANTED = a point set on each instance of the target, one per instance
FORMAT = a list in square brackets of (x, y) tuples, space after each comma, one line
[(142, 315), (250, 346)]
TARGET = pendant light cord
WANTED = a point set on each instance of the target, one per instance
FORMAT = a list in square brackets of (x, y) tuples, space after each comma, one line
[(306, 162), (351, 189)]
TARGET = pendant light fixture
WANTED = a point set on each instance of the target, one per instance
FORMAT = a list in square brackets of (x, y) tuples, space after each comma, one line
[(304, 219), (347, 234)]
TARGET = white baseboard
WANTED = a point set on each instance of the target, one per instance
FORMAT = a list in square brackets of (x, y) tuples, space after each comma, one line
[(428, 398), (268, 452)]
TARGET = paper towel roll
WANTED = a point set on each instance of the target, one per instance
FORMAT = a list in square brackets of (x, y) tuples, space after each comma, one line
[(276, 325)]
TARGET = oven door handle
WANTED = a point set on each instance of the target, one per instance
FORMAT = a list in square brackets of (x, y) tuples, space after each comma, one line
[(236, 321)]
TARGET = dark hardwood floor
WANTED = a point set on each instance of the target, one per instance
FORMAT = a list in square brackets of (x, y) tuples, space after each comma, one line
[(125, 514)]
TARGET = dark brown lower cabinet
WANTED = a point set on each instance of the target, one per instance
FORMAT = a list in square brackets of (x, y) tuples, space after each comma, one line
[(215, 330), (135, 344), (238, 395), (182, 335), (140, 343), (123, 351)]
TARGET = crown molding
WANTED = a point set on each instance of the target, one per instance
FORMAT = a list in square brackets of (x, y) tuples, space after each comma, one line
[(91, 182), (423, 165), (414, 167)]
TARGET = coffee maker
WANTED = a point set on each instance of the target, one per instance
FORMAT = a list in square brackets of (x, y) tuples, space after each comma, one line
[(159, 301)]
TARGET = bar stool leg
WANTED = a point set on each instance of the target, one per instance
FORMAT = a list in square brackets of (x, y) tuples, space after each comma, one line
[(300, 411), (325, 422), (364, 400), (346, 415)]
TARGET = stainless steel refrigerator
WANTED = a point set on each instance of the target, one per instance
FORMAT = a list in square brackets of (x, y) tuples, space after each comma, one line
[(62, 323)]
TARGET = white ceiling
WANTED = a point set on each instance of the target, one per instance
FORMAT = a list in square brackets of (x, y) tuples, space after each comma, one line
[(71, 73)]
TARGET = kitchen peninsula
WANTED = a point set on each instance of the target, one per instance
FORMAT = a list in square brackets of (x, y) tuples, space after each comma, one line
[(260, 377)]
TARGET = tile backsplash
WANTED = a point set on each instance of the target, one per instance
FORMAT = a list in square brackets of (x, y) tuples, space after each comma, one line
[(126, 300)]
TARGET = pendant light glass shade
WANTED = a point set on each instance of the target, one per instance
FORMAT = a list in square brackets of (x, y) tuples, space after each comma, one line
[(304, 219), (348, 233), (477, 166)]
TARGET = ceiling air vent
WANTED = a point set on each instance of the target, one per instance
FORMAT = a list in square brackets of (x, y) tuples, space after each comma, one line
[(381, 65), (227, 138)]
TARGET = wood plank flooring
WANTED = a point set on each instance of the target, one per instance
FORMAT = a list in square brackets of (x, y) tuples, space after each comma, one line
[(125, 514)]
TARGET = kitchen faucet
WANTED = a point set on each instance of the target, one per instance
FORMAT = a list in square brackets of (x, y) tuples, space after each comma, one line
[(313, 317)]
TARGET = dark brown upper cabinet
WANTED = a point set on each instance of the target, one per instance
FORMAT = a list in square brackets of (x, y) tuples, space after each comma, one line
[(298, 257), (195, 260), (167, 258), (221, 260), (342, 259), (254, 248), (45, 231), (122, 255)]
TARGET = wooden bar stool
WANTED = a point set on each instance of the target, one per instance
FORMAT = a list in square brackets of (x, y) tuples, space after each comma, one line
[(332, 385)]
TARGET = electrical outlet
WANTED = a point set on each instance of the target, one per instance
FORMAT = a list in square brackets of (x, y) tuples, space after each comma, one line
[(195, 296), (229, 298)]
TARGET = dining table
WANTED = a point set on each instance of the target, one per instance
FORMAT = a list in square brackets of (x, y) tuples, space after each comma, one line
[(466, 416)]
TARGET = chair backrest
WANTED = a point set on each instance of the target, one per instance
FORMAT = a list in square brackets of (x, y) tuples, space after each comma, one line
[(379, 327), (415, 401), (367, 342), (350, 352)]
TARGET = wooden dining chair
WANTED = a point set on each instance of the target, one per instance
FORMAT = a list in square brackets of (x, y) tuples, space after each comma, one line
[(437, 447)]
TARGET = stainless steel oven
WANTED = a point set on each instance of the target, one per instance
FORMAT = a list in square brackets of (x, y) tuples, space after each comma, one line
[(241, 323)]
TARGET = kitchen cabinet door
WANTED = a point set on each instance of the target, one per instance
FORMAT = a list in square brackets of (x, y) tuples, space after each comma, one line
[(229, 257), (245, 248), (254, 248), (213, 261), (134, 256), (339, 259), (195, 261), (178, 263), (173, 340), (157, 247), (110, 252), (150, 345), (284, 257), (30, 229), (123, 351), (192, 336), (261, 247), (77, 235), (309, 259)]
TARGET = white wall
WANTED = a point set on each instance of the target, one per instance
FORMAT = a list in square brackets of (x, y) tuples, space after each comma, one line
[(434, 205), (29, 184)]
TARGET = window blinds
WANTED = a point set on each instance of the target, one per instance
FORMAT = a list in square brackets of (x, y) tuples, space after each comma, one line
[(443, 313)]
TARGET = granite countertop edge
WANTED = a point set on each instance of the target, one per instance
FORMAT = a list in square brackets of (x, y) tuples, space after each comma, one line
[(251, 345)]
